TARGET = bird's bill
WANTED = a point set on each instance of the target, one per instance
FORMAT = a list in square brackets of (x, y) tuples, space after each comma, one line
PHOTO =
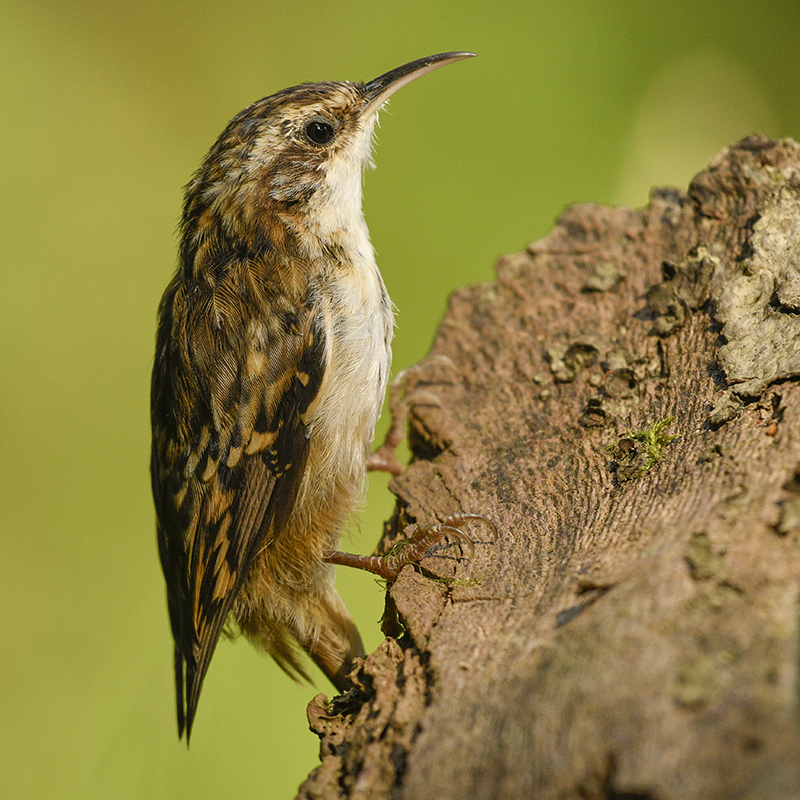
[(383, 87)]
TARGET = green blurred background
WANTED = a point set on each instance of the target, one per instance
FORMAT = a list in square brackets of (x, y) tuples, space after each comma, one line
[(107, 109)]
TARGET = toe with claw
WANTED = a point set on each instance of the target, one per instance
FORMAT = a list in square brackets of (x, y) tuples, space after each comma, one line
[(413, 549)]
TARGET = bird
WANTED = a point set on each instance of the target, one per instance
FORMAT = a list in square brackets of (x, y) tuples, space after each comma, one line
[(273, 354)]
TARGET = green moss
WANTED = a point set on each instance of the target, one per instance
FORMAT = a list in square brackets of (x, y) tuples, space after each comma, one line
[(654, 439), (637, 452)]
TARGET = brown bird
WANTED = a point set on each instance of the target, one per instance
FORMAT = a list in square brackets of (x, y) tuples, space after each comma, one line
[(272, 360)]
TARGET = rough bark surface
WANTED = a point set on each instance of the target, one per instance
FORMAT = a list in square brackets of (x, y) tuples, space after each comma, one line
[(635, 631)]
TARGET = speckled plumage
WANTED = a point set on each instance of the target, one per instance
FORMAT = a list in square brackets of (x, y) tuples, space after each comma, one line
[(272, 358)]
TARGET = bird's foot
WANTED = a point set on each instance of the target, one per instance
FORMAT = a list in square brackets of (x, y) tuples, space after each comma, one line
[(384, 459), (413, 549)]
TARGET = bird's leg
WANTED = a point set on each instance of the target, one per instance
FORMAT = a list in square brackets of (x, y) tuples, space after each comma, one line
[(411, 550), (384, 458)]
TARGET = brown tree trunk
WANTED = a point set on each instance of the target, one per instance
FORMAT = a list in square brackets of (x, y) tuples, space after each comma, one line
[(623, 403)]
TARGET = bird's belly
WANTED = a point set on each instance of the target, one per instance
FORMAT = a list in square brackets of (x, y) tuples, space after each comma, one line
[(352, 392), (340, 429)]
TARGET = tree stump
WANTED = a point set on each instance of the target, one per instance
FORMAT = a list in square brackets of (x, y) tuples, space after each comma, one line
[(623, 403)]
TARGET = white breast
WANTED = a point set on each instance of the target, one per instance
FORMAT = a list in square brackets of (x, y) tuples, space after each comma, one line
[(359, 321), (359, 328)]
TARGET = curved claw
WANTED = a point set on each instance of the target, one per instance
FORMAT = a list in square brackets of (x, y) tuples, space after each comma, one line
[(414, 548), (460, 519), (459, 534)]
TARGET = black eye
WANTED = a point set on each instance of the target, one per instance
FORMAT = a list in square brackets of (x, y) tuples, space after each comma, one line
[(319, 131)]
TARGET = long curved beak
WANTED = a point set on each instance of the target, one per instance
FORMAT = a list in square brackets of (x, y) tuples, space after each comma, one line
[(379, 90)]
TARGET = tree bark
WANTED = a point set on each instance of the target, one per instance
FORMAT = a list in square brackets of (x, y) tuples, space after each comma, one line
[(623, 403)]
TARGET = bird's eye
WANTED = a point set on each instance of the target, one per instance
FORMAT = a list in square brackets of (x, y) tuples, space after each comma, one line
[(319, 131)]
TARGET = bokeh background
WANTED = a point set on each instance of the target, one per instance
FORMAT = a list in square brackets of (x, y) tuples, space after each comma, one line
[(107, 108)]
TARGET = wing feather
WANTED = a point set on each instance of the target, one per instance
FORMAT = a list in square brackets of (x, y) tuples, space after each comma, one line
[(230, 387)]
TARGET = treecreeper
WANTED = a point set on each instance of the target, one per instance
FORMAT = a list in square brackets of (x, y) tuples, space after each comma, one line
[(273, 355)]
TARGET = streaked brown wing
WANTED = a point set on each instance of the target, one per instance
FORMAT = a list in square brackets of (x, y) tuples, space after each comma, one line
[(229, 449)]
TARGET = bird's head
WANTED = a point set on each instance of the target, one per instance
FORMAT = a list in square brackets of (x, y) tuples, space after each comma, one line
[(295, 155)]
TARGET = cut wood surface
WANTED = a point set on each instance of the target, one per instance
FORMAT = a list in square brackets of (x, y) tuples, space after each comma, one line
[(622, 402)]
